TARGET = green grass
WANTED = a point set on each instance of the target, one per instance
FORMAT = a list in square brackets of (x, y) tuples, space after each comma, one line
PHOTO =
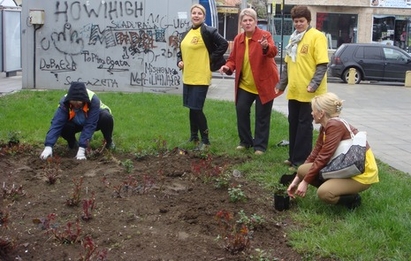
[(378, 230)]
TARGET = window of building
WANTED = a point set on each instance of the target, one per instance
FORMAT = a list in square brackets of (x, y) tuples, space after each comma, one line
[(391, 30), (339, 28)]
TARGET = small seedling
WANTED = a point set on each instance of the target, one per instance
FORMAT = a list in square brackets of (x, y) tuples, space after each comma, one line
[(147, 185), (236, 236), (88, 206), (4, 218), (91, 253), (279, 189), (205, 170), (14, 192), (69, 234), (74, 199), (161, 146), (128, 165), (236, 194), (7, 245), (222, 181), (45, 223), (52, 169), (252, 222), (14, 138)]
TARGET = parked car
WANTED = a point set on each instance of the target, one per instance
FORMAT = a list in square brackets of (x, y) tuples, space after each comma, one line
[(371, 61)]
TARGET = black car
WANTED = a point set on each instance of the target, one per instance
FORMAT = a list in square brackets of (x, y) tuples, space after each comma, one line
[(372, 61)]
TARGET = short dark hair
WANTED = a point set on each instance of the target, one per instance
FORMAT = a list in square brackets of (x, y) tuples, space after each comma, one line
[(299, 11)]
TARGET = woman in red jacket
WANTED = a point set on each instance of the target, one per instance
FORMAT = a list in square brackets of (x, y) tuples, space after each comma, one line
[(256, 75)]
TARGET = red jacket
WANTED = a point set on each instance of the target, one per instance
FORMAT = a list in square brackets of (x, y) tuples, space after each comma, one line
[(262, 63)]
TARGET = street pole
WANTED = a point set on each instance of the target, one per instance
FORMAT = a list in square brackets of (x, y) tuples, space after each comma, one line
[(282, 36)]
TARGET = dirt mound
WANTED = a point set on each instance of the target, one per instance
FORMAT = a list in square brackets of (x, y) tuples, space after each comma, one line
[(175, 206)]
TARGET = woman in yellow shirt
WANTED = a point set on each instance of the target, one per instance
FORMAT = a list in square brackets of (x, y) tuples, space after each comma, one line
[(201, 52), (305, 77)]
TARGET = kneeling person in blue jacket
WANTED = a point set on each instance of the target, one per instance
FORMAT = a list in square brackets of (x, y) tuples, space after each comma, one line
[(80, 110)]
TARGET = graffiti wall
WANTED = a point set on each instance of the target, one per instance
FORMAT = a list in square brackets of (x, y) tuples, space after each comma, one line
[(110, 45)]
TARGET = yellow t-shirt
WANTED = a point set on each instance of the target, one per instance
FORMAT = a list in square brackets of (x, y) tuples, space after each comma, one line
[(247, 80), (311, 51), (196, 70)]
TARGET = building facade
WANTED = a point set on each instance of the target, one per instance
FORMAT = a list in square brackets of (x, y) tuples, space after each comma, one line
[(356, 21), (360, 21)]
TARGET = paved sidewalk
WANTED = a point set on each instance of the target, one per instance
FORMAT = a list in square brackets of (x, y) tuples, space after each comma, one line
[(381, 109)]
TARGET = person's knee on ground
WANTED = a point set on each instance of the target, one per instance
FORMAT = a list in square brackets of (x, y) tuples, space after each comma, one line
[(106, 125)]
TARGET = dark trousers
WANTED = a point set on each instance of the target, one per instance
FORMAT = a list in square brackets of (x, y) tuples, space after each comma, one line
[(300, 127), (105, 124), (262, 120)]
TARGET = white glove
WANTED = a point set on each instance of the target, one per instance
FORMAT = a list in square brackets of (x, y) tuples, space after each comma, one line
[(81, 154), (47, 152)]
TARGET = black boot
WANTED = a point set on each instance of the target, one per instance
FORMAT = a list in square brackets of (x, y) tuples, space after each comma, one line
[(194, 134), (204, 137), (350, 201)]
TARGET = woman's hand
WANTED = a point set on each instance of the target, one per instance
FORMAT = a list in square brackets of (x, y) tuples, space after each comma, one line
[(180, 64), (310, 89), (223, 69), (264, 42), (293, 186), (302, 189)]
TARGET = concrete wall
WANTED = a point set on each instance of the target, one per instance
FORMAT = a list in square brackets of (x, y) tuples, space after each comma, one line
[(112, 45)]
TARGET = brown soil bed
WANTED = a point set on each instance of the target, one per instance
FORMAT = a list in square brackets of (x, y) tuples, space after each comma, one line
[(145, 208)]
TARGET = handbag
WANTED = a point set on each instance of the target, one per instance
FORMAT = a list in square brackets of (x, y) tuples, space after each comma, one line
[(349, 158)]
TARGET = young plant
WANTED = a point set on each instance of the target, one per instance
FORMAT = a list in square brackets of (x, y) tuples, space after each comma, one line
[(88, 206), (14, 192), (74, 199), (147, 185), (45, 223), (252, 222), (14, 138), (4, 218), (279, 189), (161, 146), (205, 170), (236, 194), (68, 235), (52, 169), (236, 236), (223, 180), (91, 253), (7, 245), (128, 165)]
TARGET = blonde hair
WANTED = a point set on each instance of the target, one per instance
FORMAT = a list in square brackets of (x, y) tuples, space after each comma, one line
[(250, 12), (199, 7), (329, 103)]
